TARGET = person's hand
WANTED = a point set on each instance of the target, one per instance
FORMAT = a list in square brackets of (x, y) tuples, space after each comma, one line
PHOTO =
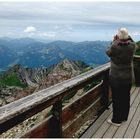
[(108, 52), (115, 38)]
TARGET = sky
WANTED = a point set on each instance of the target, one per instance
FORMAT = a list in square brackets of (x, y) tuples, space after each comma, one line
[(71, 21)]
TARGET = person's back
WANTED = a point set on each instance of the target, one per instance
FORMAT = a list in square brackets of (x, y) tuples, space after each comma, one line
[(122, 52)]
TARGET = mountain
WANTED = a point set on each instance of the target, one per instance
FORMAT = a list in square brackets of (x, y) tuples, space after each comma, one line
[(64, 70), (46, 56), (7, 56), (32, 53), (44, 78), (91, 52), (33, 76), (19, 81), (66, 45), (18, 42)]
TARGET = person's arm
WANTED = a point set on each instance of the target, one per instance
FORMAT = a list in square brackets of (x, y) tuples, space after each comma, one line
[(130, 38), (109, 50)]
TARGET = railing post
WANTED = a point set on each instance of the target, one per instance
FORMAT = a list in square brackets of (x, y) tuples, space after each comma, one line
[(137, 70), (56, 122), (105, 91)]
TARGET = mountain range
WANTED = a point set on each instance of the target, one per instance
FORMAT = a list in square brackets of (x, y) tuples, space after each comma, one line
[(19, 81), (35, 54)]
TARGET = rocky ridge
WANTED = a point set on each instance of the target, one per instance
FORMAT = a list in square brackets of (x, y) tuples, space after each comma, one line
[(47, 77), (37, 79)]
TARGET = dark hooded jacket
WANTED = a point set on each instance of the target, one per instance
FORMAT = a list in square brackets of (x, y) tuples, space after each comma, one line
[(121, 54)]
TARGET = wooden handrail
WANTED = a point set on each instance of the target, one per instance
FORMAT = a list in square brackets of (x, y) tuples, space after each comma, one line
[(18, 111), (136, 56)]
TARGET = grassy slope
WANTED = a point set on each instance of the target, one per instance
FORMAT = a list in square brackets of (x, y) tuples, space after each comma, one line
[(11, 80)]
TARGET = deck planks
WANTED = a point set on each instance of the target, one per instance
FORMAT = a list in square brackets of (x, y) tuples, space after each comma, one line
[(129, 129), (97, 124), (104, 127), (134, 122), (112, 130), (137, 133), (121, 130)]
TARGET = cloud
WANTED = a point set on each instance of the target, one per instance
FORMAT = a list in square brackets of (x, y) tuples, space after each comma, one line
[(34, 32), (56, 27), (136, 33), (30, 29), (48, 34), (64, 20)]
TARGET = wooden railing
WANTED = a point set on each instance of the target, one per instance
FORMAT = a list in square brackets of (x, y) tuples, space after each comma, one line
[(63, 122), (137, 69)]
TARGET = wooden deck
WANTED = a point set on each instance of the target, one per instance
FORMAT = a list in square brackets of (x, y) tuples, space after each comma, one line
[(130, 129)]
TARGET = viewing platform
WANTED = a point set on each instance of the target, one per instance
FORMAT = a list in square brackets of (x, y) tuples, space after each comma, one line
[(130, 129), (65, 120)]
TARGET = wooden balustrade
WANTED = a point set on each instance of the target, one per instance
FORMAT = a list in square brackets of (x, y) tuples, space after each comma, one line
[(137, 69), (63, 122)]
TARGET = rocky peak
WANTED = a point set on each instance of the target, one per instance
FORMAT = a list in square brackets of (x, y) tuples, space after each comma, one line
[(64, 70), (36, 79)]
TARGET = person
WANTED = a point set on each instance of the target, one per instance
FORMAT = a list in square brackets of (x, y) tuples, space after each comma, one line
[(121, 53)]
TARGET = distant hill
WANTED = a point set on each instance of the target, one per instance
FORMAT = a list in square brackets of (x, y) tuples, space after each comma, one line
[(45, 56), (7, 56), (17, 42), (91, 52), (32, 53)]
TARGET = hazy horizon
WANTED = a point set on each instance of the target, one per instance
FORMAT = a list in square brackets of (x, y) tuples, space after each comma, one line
[(69, 21), (48, 40)]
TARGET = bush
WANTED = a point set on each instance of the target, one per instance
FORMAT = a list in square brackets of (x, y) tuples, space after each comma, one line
[(138, 50)]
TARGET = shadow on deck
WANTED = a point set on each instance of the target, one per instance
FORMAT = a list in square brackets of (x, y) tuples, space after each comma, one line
[(130, 129)]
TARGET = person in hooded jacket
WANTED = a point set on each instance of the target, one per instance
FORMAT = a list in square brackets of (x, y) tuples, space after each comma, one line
[(121, 53)]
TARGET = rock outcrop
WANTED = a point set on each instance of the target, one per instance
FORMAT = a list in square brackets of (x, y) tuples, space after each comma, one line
[(37, 79)]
